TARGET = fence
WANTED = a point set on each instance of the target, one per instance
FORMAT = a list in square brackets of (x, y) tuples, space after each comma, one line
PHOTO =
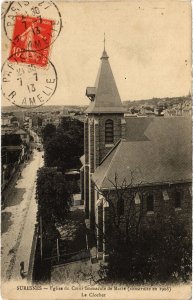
[(70, 257), (40, 267), (32, 255)]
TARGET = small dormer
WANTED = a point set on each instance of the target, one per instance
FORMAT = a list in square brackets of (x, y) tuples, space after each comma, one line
[(91, 92)]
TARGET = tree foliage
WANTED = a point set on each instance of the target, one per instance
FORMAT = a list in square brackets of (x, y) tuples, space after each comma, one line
[(158, 254), (52, 195), (54, 202), (11, 140), (65, 147), (48, 132)]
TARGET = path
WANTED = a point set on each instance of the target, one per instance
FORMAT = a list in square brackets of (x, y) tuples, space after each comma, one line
[(18, 221)]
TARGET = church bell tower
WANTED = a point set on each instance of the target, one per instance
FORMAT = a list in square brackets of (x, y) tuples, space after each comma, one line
[(104, 127)]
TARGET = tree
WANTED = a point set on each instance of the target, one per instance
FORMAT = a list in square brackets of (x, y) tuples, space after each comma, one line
[(65, 147), (52, 195), (48, 132), (11, 140), (31, 138), (54, 203)]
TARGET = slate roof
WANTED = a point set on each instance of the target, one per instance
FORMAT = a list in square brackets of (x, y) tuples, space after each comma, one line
[(90, 91), (157, 150), (107, 98), (136, 127)]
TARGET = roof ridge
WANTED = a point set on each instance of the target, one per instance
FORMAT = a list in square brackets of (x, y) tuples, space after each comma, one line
[(111, 160), (144, 155), (117, 143)]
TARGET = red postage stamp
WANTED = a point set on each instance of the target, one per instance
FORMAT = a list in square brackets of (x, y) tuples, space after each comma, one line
[(31, 40)]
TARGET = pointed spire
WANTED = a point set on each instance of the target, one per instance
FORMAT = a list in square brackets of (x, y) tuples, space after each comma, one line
[(104, 55), (105, 98)]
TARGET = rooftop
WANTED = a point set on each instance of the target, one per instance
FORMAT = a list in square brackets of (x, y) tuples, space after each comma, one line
[(155, 151), (107, 98)]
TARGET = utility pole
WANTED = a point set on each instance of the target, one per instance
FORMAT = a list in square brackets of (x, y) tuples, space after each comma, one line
[(41, 246), (58, 252)]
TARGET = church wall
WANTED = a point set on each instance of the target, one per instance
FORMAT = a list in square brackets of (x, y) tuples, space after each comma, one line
[(100, 228), (104, 149), (82, 185), (96, 143), (162, 208), (86, 170), (95, 150), (166, 208), (91, 135)]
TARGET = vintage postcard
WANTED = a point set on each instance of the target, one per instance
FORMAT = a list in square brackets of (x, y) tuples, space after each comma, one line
[(96, 150)]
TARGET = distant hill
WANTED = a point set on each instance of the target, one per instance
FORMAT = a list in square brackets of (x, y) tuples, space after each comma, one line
[(156, 101), (43, 108), (129, 103)]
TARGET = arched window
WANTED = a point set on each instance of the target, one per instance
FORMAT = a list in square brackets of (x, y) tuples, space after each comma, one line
[(109, 137), (120, 207), (150, 203), (178, 197)]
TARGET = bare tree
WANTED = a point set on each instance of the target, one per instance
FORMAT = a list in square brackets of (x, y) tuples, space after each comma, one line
[(122, 196), (138, 253)]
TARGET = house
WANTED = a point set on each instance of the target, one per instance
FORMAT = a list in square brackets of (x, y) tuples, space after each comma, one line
[(7, 130), (151, 155), (24, 135), (5, 120)]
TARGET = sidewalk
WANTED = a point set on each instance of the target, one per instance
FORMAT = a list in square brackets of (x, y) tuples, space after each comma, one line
[(11, 183), (21, 208), (6, 192), (24, 250)]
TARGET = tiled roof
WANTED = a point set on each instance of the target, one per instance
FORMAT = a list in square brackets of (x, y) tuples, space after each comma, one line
[(107, 99), (162, 153)]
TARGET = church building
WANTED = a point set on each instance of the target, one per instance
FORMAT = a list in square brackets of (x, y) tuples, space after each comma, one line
[(149, 157)]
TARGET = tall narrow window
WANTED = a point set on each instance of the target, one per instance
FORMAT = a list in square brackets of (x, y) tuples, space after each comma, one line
[(120, 207), (109, 138), (150, 203), (165, 195), (177, 199)]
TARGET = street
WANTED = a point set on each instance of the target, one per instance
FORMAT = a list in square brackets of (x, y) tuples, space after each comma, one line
[(18, 221)]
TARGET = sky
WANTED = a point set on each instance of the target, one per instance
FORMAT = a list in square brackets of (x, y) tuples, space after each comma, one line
[(148, 43)]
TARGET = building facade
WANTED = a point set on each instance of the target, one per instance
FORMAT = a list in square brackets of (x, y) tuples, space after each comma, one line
[(149, 157)]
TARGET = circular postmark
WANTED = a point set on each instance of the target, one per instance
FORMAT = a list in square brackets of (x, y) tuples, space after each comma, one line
[(26, 85), (39, 11), (4, 8)]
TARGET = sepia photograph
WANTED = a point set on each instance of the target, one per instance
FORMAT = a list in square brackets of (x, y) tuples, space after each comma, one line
[(96, 149)]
